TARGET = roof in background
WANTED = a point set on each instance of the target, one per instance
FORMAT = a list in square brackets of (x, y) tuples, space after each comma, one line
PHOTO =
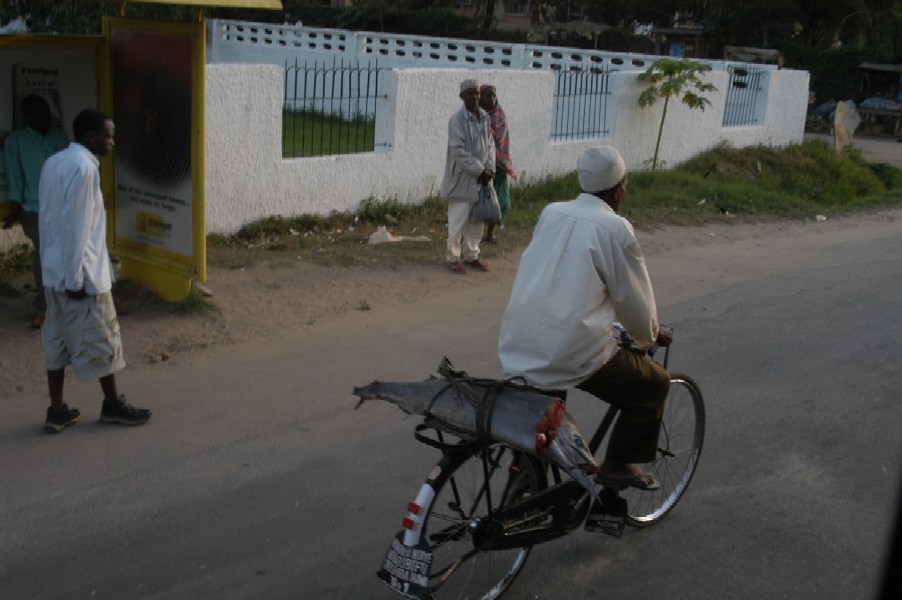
[(869, 66)]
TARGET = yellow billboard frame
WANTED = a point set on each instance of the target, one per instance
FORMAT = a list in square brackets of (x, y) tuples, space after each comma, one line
[(167, 273)]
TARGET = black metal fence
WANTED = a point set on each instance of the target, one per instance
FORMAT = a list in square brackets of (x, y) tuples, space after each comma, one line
[(329, 109), (580, 107), (743, 95)]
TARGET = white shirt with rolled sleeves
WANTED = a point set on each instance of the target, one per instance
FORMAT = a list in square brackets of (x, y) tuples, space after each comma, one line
[(582, 271), (73, 223)]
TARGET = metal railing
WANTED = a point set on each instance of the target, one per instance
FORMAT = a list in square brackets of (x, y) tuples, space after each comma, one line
[(580, 108), (743, 94), (329, 109)]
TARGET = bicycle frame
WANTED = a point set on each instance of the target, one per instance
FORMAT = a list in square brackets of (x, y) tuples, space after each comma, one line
[(556, 510), (555, 501), (530, 507)]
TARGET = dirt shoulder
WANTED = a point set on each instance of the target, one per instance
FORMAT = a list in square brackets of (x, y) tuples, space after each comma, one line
[(269, 299)]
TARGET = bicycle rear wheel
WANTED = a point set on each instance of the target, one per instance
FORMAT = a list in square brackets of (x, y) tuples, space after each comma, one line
[(457, 526), (679, 448)]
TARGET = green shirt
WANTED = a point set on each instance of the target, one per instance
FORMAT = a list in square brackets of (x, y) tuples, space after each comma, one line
[(25, 151)]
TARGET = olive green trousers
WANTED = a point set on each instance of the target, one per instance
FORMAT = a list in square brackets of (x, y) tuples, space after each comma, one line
[(638, 386)]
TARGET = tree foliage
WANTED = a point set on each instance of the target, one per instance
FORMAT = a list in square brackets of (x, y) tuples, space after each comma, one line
[(670, 78), (423, 17), (659, 13), (825, 37), (818, 24), (82, 17), (821, 24)]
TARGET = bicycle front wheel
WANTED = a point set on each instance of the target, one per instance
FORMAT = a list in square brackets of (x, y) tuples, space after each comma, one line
[(679, 448), (458, 526)]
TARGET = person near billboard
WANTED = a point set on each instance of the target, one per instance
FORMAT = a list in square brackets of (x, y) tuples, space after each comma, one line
[(25, 151)]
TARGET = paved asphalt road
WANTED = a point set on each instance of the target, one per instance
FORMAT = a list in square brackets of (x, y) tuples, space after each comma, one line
[(257, 480)]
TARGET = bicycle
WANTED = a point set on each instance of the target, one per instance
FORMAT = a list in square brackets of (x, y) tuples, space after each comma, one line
[(470, 529)]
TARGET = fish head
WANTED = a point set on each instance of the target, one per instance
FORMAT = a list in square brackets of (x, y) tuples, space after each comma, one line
[(568, 449), (569, 452)]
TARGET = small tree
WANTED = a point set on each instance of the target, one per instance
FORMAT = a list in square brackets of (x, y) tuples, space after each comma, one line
[(670, 77)]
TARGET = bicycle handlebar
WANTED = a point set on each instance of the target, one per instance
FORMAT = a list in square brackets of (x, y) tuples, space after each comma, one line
[(627, 342)]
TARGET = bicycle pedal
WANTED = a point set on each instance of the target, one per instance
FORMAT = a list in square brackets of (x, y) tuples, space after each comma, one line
[(608, 517)]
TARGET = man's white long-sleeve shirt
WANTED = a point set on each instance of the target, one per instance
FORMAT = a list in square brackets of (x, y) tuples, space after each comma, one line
[(73, 223), (582, 271)]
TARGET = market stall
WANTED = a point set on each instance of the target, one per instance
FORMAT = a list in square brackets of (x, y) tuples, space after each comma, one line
[(881, 104)]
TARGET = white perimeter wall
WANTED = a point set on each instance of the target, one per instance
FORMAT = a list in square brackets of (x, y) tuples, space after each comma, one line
[(247, 178)]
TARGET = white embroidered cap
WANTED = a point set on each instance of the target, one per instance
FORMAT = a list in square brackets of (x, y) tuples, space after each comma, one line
[(600, 169), (468, 84)]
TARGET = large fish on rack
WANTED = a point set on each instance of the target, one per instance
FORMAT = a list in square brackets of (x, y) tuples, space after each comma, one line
[(515, 415)]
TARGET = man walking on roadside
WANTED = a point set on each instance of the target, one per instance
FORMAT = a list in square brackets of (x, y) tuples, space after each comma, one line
[(81, 327), (469, 164)]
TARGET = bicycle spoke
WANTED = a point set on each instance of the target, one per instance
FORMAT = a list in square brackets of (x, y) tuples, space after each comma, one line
[(682, 432), (460, 523), (446, 573)]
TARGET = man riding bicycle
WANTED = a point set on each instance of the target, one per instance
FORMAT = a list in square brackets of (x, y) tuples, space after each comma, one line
[(582, 271)]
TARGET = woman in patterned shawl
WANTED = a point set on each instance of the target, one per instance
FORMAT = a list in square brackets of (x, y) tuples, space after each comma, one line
[(504, 169)]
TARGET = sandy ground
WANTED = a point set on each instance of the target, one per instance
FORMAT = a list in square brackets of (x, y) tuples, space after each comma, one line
[(283, 300), (268, 300)]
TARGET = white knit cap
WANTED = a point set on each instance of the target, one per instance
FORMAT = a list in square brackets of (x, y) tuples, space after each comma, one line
[(600, 169), (468, 84)]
